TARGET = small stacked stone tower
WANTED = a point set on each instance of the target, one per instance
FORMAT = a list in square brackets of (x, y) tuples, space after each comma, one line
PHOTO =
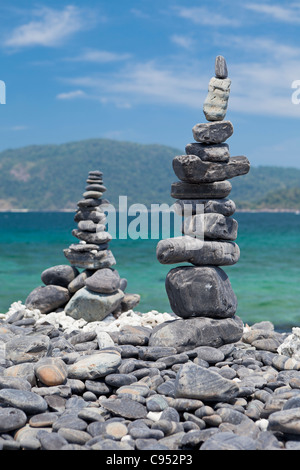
[(201, 292)]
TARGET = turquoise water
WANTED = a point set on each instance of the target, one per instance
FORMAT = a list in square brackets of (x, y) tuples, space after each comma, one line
[(266, 279)]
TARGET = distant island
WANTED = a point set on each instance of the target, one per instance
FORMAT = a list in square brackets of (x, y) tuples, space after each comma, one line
[(49, 177)]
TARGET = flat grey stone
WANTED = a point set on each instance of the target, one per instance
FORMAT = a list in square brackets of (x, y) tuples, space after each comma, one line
[(92, 306), (47, 298), (213, 132), (285, 421), (200, 292), (90, 260), (192, 169), (14, 382), (197, 382), (104, 281), (125, 407), (60, 275), (216, 190), (27, 348), (190, 333), (229, 441), (186, 249), (189, 207), (29, 402), (90, 237), (209, 153), (95, 365)]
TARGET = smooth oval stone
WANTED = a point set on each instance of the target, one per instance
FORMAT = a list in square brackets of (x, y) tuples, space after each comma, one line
[(51, 371), (104, 281), (47, 298), (29, 402), (43, 419), (14, 382), (96, 187), (60, 275), (213, 132), (92, 194), (11, 419), (95, 365), (209, 153), (79, 281), (184, 190)]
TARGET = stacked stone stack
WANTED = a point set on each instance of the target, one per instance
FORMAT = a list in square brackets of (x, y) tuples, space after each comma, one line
[(201, 292), (98, 290)]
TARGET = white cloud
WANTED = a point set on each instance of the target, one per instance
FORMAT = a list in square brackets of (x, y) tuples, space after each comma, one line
[(286, 14), (71, 95), (201, 15), (99, 56), (48, 28), (182, 41)]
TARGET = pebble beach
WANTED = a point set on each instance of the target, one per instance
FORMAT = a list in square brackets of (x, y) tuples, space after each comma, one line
[(67, 384)]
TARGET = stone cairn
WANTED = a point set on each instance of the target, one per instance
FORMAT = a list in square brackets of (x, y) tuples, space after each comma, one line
[(201, 293), (98, 290)]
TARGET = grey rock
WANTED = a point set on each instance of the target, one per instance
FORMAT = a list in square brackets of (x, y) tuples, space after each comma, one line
[(216, 102), (96, 187), (90, 260), (221, 67), (92, 306), (192, 169), (213, 226), (228, 441), (216, 190), (130, 301), (189, 207), (97, 238), (51, 441), (90, 202), (47, 298), (197, 252), (11, 419), (104, 281), (74, 436), (285, 421), (213, 132), (14, 382), (87, 226), (126, 408), (209, 153), (92, 194), (95, 215), (209, 354), (27, 348), (197, 382), (95, 365), (193, 332), (200, 292), (28, 402), (60, 275)]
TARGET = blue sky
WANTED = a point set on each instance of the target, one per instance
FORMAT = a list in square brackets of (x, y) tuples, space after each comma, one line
[(138, 70)]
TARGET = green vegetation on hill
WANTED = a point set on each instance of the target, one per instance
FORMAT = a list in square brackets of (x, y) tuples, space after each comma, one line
[(52, 177)]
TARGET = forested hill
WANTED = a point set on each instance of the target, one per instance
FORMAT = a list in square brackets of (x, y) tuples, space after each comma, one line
[(52, 177)]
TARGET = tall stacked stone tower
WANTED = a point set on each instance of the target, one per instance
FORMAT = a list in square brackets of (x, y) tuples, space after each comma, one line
[(200, 292)]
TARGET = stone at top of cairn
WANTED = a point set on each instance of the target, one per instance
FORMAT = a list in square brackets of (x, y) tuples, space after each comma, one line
[(216, 102), (221, 67)]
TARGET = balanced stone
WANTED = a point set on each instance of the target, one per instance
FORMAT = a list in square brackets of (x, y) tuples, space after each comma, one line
[(79, 281), (192, 169), (209, 153), (96, 187), (217, 190), (221, 67), (90, 260), (198, 252), (104, 281), (213, 132), (197, 382), (92, 194), (87, 226), (190, 333), (93, 215), (216, 102), (90, 202), (191, 207), (47, 298), (213, 226), (92, 306), (200, 292), (60, 275), (89, 237)]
